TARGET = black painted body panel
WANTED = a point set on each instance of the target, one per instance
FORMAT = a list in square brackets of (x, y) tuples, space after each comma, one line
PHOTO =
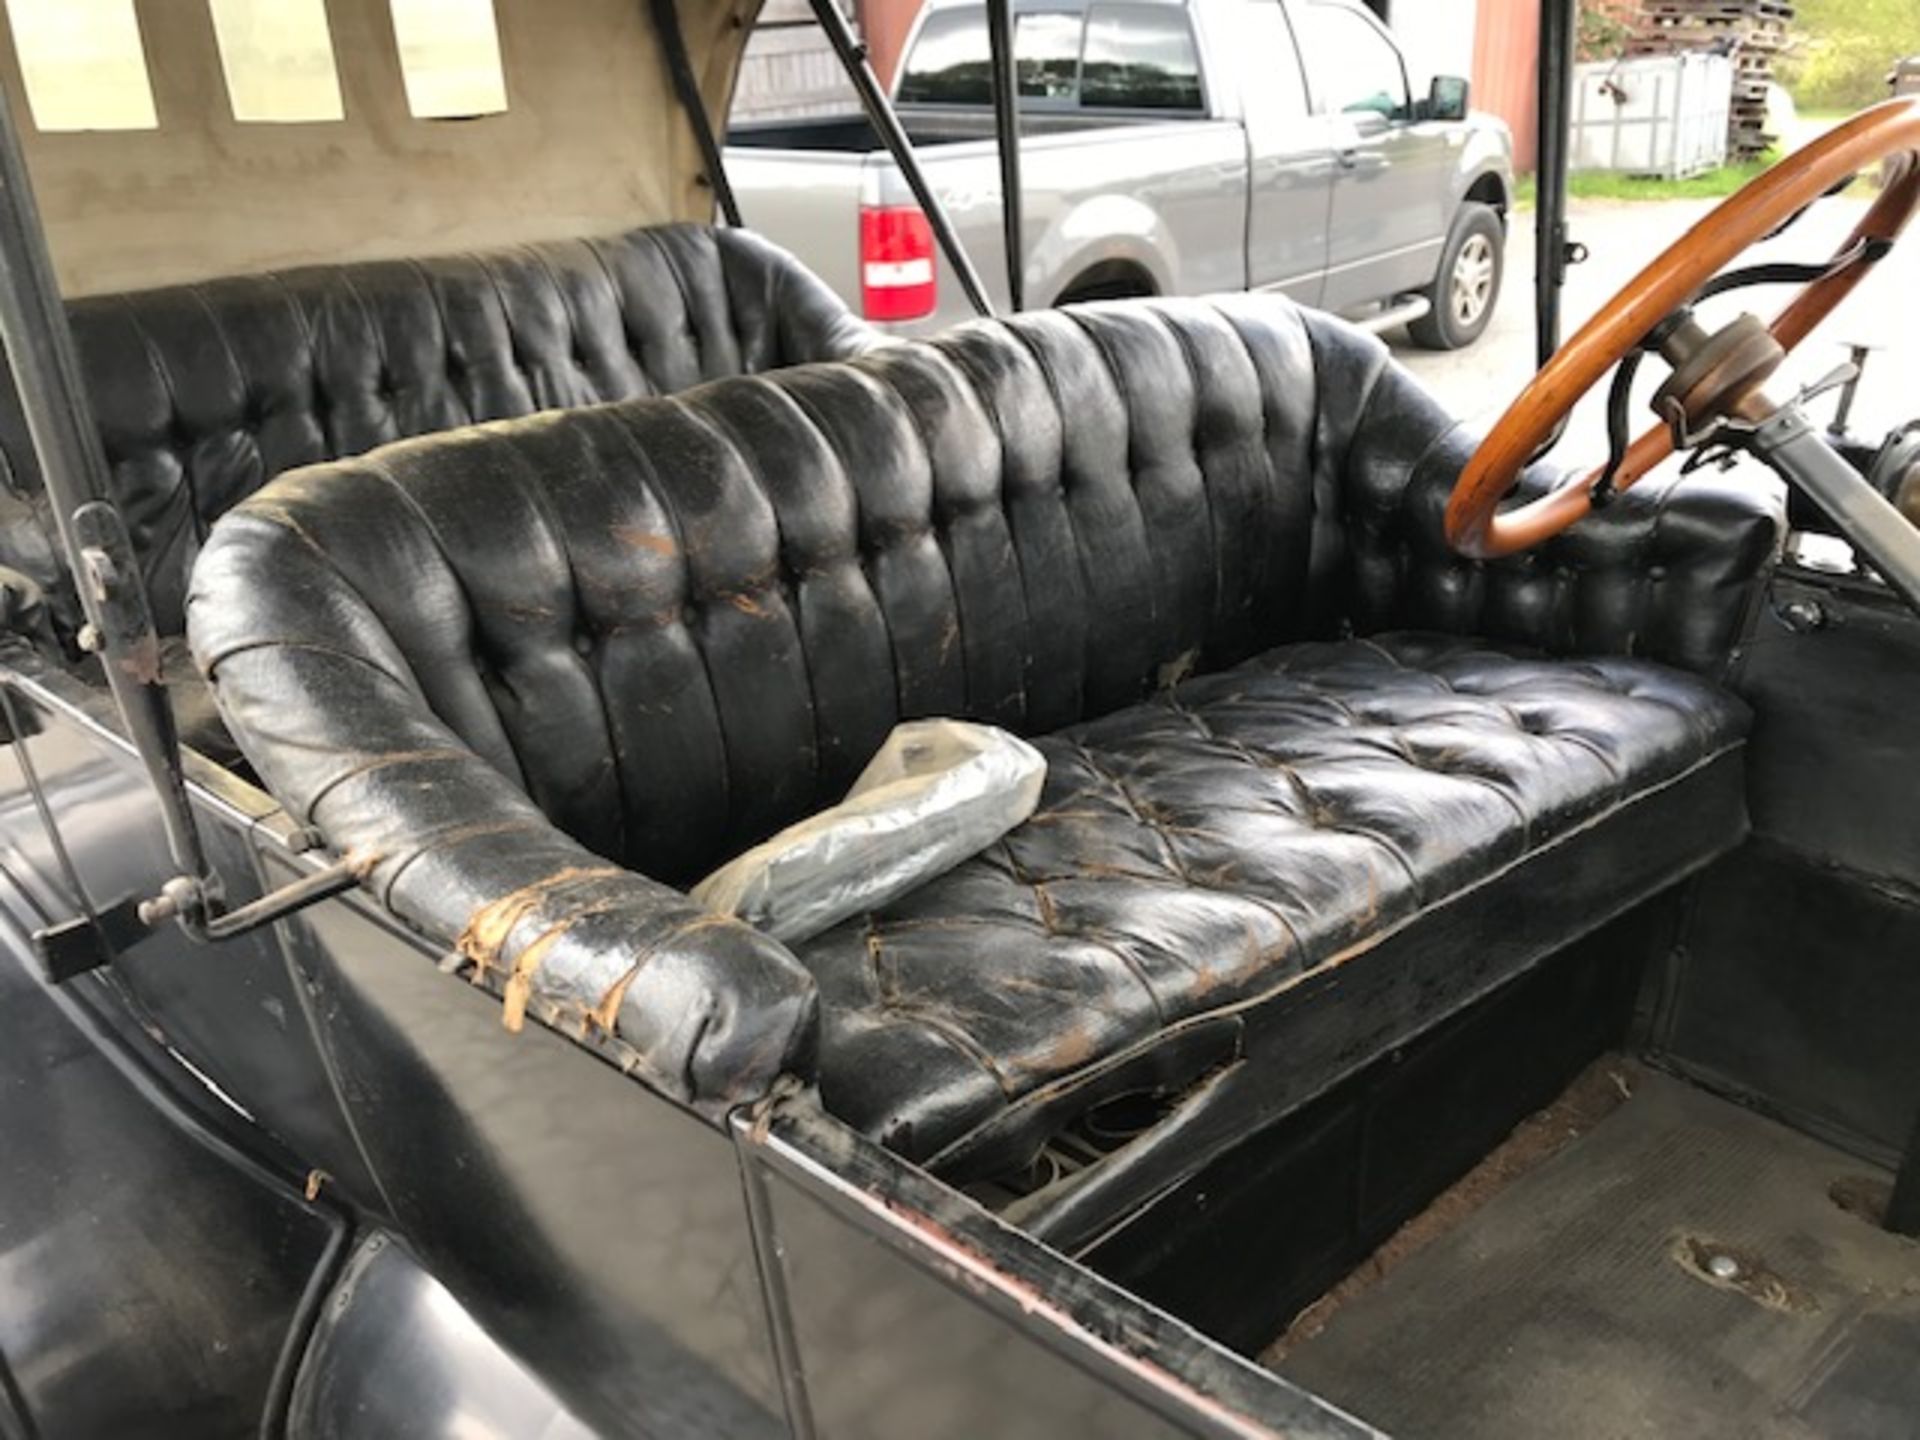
[(1836, 752), (395, 1354), (551, 1208), (597, 1232), (1307, 1198), (233, 1010), (150, 1277), (1797, 981), (1799, 990)]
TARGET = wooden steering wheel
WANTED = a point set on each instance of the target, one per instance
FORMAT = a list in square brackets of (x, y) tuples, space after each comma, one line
[(1476, 526)]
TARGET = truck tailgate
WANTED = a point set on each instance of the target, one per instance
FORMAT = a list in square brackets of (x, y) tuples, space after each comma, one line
[(807, 201), (1165, 196)]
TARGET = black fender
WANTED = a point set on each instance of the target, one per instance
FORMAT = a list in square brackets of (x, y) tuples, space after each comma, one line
[(160, 1281)]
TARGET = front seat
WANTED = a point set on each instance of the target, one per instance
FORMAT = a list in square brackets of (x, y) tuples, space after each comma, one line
[(1315, 781)]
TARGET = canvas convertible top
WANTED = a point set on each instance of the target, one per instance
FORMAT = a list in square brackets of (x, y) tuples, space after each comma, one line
[(593, 140)]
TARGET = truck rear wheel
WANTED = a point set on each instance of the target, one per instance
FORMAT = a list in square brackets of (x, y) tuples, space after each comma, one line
[(1111, 280), (1465, 291)]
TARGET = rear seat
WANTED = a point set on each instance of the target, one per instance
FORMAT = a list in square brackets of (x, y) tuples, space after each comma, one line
[(205, 392)]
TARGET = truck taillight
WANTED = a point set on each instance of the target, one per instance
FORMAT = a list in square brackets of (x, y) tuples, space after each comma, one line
[(897, 279)]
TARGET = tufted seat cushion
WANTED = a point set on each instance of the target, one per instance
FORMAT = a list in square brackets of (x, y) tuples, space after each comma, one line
[(540, 672), (1228, 837)]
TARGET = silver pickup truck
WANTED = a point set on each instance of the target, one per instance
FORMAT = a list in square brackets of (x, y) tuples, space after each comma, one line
[(1169, 147)]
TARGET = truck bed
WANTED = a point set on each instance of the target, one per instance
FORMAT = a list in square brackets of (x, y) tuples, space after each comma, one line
[(1164, 188), (854, 134)]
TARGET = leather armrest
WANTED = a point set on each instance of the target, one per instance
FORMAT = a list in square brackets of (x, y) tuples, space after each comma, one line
[(1669, 570), (336, 724), (773, 293)]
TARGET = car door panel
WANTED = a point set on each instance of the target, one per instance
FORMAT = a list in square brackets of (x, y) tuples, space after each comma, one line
[(1387, 220), (1289, 160)]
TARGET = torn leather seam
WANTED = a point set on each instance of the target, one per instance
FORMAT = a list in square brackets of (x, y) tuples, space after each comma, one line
[(489, 927)]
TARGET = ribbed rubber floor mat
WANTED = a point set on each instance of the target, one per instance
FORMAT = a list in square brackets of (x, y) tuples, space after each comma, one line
[(1683, 1270)]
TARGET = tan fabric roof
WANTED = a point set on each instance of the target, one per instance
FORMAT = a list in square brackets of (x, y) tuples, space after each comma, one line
[(592, 142)]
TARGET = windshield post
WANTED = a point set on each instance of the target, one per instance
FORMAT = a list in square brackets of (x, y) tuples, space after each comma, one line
[(853, 59), (1555, 96), (73, 469), (1006, 118)]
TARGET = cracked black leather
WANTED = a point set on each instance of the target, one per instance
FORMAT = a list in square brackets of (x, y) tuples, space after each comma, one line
[(202, 393), (1225, 837), (669, 628)]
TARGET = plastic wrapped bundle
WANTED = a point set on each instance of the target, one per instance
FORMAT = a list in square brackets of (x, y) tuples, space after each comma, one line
[(937, 792)]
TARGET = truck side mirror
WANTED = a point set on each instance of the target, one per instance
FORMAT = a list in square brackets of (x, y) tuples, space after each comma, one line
[(1447, 98)]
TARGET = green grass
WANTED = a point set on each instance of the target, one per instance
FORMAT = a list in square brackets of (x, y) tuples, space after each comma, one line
[(1843, 49), (1611, 185)]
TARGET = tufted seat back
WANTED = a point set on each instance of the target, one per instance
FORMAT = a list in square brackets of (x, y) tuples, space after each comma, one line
[(678, 625), (204, 392), (536, 672)]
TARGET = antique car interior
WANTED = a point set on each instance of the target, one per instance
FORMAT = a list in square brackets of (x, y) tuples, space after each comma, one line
[(1317, 782), (1044, 523), (1400, 782)]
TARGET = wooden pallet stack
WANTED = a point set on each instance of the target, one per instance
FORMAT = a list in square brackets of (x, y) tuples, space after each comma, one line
[(1753, 32)]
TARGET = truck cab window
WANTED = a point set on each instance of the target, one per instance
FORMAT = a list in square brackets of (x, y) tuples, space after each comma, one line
[(1046, 55), (1356, 68), (1140, 57), (949, 64)]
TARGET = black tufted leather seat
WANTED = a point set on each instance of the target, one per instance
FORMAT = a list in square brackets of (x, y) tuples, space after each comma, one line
[(542, 671), (1226, 837), (204, 392)]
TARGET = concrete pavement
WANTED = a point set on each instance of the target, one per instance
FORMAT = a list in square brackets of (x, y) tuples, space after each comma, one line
[(1622, 236)]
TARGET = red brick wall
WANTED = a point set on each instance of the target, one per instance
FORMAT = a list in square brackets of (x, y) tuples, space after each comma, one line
[(885, 24), (1506, 43)]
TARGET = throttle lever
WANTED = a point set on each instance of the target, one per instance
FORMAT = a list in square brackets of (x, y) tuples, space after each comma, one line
[(1843, 377), (1857, 355)]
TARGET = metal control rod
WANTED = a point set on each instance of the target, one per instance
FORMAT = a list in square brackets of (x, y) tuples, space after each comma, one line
[(73, 467), (853, 59), (1789, 443), (1006, 116), (120, 629)]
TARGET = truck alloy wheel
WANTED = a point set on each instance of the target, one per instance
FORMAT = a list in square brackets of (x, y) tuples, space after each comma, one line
[(1467, 286)]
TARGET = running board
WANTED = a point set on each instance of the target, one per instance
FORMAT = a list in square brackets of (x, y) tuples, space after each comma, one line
[(1405, 313)]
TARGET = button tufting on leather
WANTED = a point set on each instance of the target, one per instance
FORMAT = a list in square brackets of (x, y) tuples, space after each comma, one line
[(1253, 824), (317, 338)]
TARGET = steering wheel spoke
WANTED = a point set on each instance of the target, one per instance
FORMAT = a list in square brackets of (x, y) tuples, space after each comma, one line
[(1721, 368)]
